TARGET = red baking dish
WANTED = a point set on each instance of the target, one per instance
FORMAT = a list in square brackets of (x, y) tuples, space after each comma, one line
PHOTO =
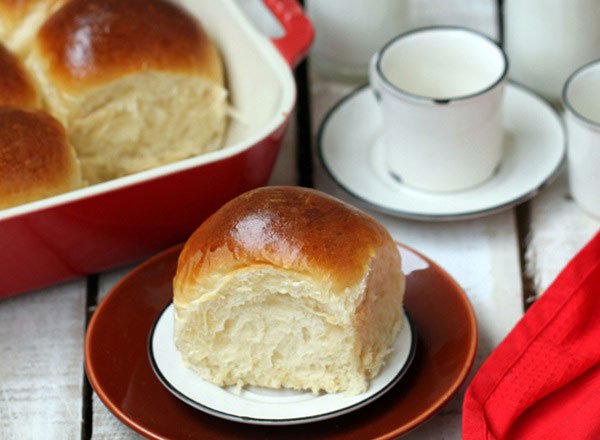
[(106, 225)]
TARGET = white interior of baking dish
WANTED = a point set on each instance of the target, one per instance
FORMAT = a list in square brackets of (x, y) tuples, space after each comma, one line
[(262, 93)]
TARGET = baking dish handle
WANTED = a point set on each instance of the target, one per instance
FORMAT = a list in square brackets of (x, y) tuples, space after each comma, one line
[(299, 33)]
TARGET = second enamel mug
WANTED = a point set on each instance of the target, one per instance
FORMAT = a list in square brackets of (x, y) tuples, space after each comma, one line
[(581, 98)]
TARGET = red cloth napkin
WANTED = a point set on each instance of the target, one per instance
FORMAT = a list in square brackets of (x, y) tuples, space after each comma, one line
[(543, 380)]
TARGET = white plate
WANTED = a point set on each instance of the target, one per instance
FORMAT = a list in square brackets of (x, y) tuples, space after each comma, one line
[(350, 150), (264, 406)]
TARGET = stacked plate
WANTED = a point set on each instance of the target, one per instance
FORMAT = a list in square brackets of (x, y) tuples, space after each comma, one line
[(135, 369)]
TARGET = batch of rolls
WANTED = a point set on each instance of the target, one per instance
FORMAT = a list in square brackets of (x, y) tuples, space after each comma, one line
[(91, 90), (269, 291)]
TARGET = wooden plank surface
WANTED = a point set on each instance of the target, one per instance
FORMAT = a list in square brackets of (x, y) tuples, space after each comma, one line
[(558, 230), (482, 255), (41, 363), (105, 426)]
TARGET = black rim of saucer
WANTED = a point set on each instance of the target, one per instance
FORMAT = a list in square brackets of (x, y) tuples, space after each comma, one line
[(467, 215), (273, 422)]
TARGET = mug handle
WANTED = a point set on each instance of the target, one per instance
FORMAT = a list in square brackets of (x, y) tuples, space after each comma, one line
[(299, 33), (374, 79)]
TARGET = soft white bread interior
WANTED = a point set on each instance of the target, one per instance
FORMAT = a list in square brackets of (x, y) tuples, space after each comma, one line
[(137, 83), (36, 160), (21, 19), (288, 287)]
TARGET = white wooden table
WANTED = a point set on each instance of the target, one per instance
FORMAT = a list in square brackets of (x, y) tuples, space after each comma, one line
[(502, 261)]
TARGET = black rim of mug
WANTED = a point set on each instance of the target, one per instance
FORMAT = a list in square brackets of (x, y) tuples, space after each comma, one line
[(394, 88), (565, 94)]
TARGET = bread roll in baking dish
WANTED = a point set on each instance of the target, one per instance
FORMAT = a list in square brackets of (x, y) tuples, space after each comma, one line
[(288, 287), (137, 83), (21, 19), (36, 160), (16, 87)]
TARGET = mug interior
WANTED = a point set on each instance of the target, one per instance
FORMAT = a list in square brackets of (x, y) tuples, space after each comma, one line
[(442, 63), (582, 93)]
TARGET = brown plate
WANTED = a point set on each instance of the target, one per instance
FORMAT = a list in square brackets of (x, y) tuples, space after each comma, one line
[(118, 367)]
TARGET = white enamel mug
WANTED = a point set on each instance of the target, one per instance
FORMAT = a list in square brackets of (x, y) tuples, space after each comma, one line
[(440, 93), (581, 98)]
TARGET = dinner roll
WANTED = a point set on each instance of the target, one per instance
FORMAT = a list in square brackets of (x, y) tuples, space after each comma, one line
[(21, 19), (138, 83), (288, 287), (36, 160), (16, 88)]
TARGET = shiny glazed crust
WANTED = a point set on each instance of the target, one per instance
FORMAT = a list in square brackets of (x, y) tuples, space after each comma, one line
[(36, 160), (87, 43), (285, 227), (16, 88)]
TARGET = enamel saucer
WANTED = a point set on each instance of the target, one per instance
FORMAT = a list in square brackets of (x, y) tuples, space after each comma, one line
[(351, 152)]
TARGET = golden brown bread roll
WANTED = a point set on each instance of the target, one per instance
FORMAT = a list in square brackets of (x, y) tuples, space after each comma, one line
[(288, 287), (137, 83), (16, 88), (21, 19), (36, 160)]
